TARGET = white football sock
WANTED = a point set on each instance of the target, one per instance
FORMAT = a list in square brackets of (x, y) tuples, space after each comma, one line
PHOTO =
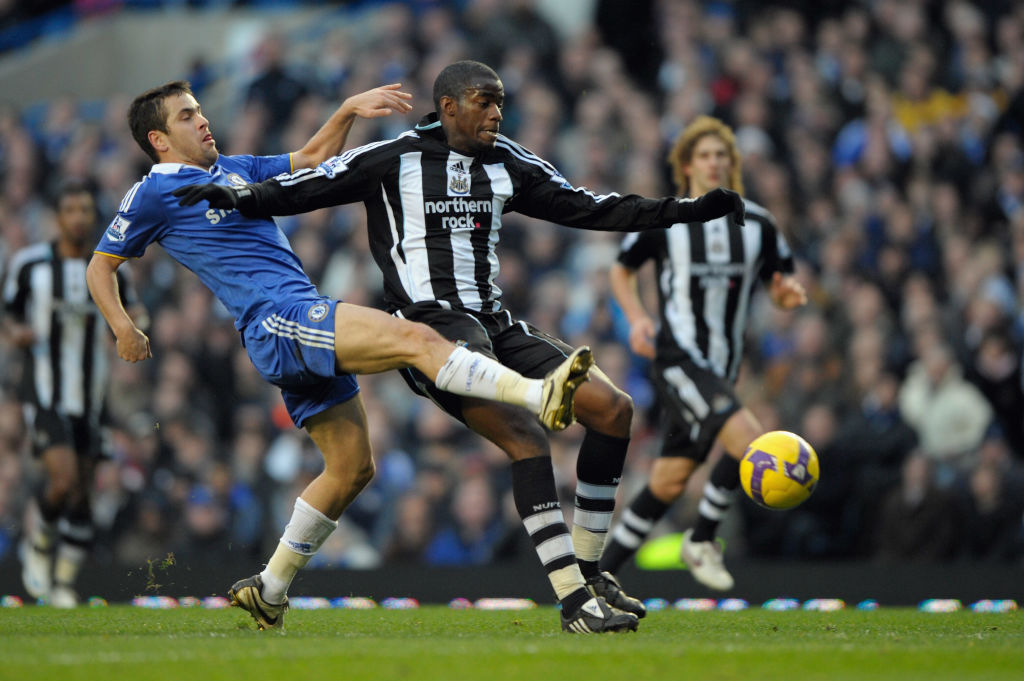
[(476, 375), (589, 545), (305, 533), (566, 580), (68, 563)]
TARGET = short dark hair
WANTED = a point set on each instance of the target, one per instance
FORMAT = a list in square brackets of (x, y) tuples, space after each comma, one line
[(455, 78), (71, 187), (147, 112)]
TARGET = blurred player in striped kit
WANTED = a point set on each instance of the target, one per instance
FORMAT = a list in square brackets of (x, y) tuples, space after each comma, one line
[(706, 273), (52, 316)]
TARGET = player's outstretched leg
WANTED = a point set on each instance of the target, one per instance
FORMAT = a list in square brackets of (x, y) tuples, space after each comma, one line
[(246, 594), (560, 387), (704, 559), (607, 587), (368, 341), (595, 617)]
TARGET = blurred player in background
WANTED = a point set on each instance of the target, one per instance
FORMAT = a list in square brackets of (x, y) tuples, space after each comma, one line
[(706, 272), (308, 345), (434, 199), (51, 315)]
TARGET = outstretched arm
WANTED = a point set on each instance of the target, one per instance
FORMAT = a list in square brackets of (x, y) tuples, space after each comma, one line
[(329, 140), (101, 276), (642, 328), (549, 196)]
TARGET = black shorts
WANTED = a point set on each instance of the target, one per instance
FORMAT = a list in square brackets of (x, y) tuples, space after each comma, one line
[(515, 343), (695, 404), (50, 428)]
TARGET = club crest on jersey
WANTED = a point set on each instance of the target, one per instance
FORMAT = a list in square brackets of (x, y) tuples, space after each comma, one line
[(318, 312), (458, 178), (235, 180), (118, 229)]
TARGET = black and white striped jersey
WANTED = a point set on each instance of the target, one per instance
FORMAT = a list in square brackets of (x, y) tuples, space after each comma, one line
[(706, 272), (434, 214), (67, 365)]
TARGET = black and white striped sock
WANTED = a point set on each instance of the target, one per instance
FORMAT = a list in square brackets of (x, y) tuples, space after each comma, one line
[(718, 495), (76, 539), (598, 471), (533, 486), (635, 523)]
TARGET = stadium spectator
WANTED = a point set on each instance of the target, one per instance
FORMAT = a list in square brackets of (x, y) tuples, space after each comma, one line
[(918, 521), (413, 530), (992, 526), (475, 527), (949, 414), (275, 91)]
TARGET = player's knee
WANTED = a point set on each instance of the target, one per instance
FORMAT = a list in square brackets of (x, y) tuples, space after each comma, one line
[(364, 473), (667, 491), (622, 409), (62, 485), (667, 486), (523, 439), (419, 338), (613, 416)]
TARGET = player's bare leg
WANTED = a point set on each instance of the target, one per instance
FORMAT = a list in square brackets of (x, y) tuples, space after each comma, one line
[(340, 432), (369, 341)]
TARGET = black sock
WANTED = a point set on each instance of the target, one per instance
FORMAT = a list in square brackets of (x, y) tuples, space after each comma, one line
[(718, 496), (634, 525), (49, 512), (45, 537)]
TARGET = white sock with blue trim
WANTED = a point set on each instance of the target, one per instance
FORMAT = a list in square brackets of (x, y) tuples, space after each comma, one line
[(305, 533), (475, 375)]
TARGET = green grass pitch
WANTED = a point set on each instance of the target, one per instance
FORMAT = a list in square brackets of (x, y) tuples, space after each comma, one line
[(435, 642)]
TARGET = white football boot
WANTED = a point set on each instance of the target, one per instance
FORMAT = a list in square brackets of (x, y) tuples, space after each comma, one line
[(63, 596), (704, 559)]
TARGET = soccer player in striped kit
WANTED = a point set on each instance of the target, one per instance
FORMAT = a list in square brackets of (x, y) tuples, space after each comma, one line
[(706, 272), (434, 198), (307, 345), (51, 315)]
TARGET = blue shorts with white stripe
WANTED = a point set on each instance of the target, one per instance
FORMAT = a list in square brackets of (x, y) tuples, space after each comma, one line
[(293, 348)]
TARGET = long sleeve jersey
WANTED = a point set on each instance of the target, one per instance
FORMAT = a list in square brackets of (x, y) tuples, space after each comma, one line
[(434, 214), (706, 273)]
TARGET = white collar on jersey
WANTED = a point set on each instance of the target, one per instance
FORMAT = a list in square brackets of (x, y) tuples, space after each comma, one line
[(166, 168)]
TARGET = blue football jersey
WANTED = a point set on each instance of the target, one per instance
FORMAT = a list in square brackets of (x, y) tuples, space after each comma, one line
[(246, 262)]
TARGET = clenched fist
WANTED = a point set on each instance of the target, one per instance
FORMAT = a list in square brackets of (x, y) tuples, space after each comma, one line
[(714, 204), (218, 195)]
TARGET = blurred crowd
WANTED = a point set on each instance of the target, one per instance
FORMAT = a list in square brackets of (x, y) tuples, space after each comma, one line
[(887, 138)]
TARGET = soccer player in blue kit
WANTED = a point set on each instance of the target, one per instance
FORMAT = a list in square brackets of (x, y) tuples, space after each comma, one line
[(308, 345)]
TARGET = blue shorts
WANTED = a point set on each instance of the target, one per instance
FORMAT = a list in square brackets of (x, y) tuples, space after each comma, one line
[(293, 348)]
